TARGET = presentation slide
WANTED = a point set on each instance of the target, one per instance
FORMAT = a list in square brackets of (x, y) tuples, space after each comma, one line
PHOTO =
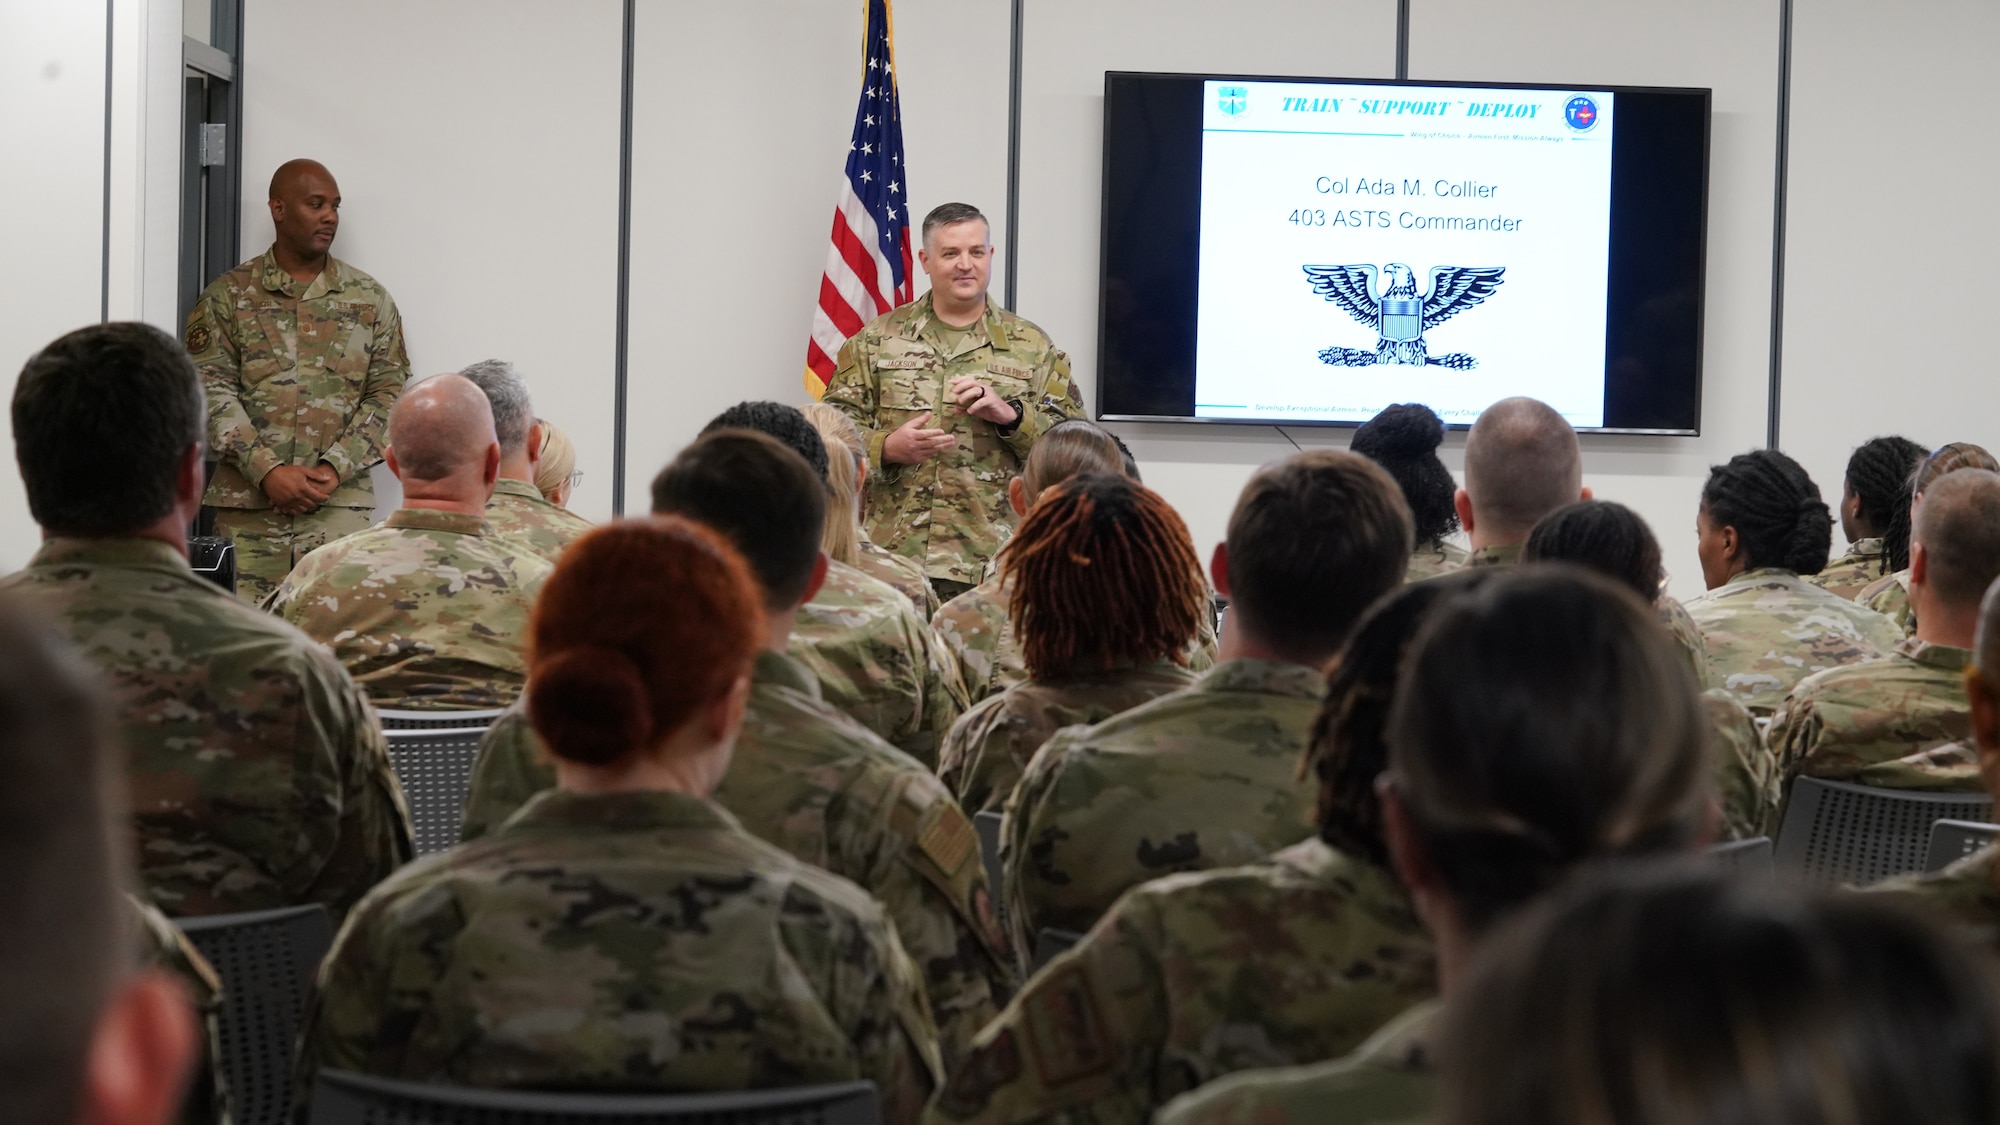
[(1367, 245)]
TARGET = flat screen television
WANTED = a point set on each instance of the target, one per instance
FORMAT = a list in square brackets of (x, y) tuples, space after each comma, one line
[(1297, 251)]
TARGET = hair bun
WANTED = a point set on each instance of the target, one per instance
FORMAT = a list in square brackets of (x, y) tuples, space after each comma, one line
[(1403, 432), (589, 705)]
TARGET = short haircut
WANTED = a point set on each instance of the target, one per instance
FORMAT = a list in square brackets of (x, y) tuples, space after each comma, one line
[(1348, 748), (1653, 994), (1986, 646), (776, 420), (643, 622), (507, 394), (1542, 722), (66, 944), (102, 420), (440, 427), (1313, 541), (950, 214), (759, 494), (1521, 463), (1103, 575), (1959, 528), (1603, 536), (1068, 449), (1776, 509), (1404, 440)]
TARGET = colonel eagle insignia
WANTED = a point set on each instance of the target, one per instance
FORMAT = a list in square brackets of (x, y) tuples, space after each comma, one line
[(1399, 315)]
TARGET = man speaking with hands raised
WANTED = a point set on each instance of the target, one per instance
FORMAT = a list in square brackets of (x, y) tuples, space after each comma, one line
[(951, 391)]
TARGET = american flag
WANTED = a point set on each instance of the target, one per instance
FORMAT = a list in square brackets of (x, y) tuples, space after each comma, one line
[(868, 267)]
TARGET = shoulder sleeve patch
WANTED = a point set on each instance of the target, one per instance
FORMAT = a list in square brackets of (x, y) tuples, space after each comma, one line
[(948, 841), (197, 340), (1065, 1029)]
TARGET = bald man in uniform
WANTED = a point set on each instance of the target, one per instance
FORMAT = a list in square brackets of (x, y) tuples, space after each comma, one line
[(1521, 463), (429, 611), (301, 356)]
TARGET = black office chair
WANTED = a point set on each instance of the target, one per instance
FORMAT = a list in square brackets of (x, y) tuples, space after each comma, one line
[(266, 960), (1050, 944), (1953, 840), (1838, 832), (434, 765), (340, 1098), (987, 826)]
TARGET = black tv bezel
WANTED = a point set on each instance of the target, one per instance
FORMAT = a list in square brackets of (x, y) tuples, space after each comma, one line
[(1706, 94)]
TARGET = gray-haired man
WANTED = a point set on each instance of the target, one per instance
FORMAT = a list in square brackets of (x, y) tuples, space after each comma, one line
[(518, 512)]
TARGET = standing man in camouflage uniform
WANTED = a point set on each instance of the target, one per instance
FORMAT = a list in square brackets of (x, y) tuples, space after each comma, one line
[(1521, 463), (950, 391), (1872, 723), (301, 356), (257, 775), (518, 510), (429, 611), (1208, 777)]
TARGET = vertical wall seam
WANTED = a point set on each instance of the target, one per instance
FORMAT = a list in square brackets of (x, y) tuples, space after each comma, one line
[(1402, 39), (1782, 176), (620, 345), (1014, 51), (104, 252)]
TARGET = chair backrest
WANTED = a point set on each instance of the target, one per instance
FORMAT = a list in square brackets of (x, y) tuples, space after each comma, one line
[(340, 1098), (1752, 856), (266, 961), (1050, 944), (435, 767), (986, 826), (1953, 840), (434, 720), (1837, 832)]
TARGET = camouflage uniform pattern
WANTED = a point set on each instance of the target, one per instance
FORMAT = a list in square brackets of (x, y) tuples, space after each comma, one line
[(1390, 1078), (269, 543), (1767, 629), (257, 774), (163, 946), (1289, 961), (877, 663), (943, 512), (1866, 561), (621, 942), (905, 574), (520, 514), (428, 612), (1890, 597), (296, 373), (989, 747), (976, 635), (1432, 559), (824, 789), (1687, 638), (1965, 896), (1863, 722), (1745, 773), (1503, 554), (1200, 779)]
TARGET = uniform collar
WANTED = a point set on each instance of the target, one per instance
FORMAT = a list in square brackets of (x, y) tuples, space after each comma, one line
[(775, 669), (276, 280), (1495, 554), (508, 486), (598, 813), (1264, 677), (1765, 576), (430, 519), (127, 551), (923, 314), (1936, 656), (1867, 548)]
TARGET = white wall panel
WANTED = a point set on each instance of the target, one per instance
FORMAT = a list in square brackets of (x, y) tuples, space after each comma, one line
[(1732, 47), (1889, 279), (51, 201), (476, 145), (1069, 44), (736, 181)]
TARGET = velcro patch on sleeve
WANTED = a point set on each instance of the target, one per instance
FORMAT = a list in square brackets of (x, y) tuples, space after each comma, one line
[(949, 841), (1065, 1029)]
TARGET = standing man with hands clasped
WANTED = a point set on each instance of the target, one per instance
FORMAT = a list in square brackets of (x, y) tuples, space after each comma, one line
[(301, 356), (950, 392)]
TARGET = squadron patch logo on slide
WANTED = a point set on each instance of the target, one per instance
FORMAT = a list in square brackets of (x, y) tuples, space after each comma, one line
[(1232, 100), (1581, 113), (1399, 316)]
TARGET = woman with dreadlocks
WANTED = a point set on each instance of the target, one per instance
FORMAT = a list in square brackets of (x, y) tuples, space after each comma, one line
[(1761, 525), (1404, 440), (1873, 504), (1105, 593), (1890, 596)]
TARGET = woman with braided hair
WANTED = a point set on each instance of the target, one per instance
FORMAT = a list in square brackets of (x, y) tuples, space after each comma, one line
[(1404, 440), (1874, 515), (1105, 595), (1761, 525), (1890, 596)]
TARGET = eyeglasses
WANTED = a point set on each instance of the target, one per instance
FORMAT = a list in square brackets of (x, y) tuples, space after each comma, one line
[(576, 478)]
